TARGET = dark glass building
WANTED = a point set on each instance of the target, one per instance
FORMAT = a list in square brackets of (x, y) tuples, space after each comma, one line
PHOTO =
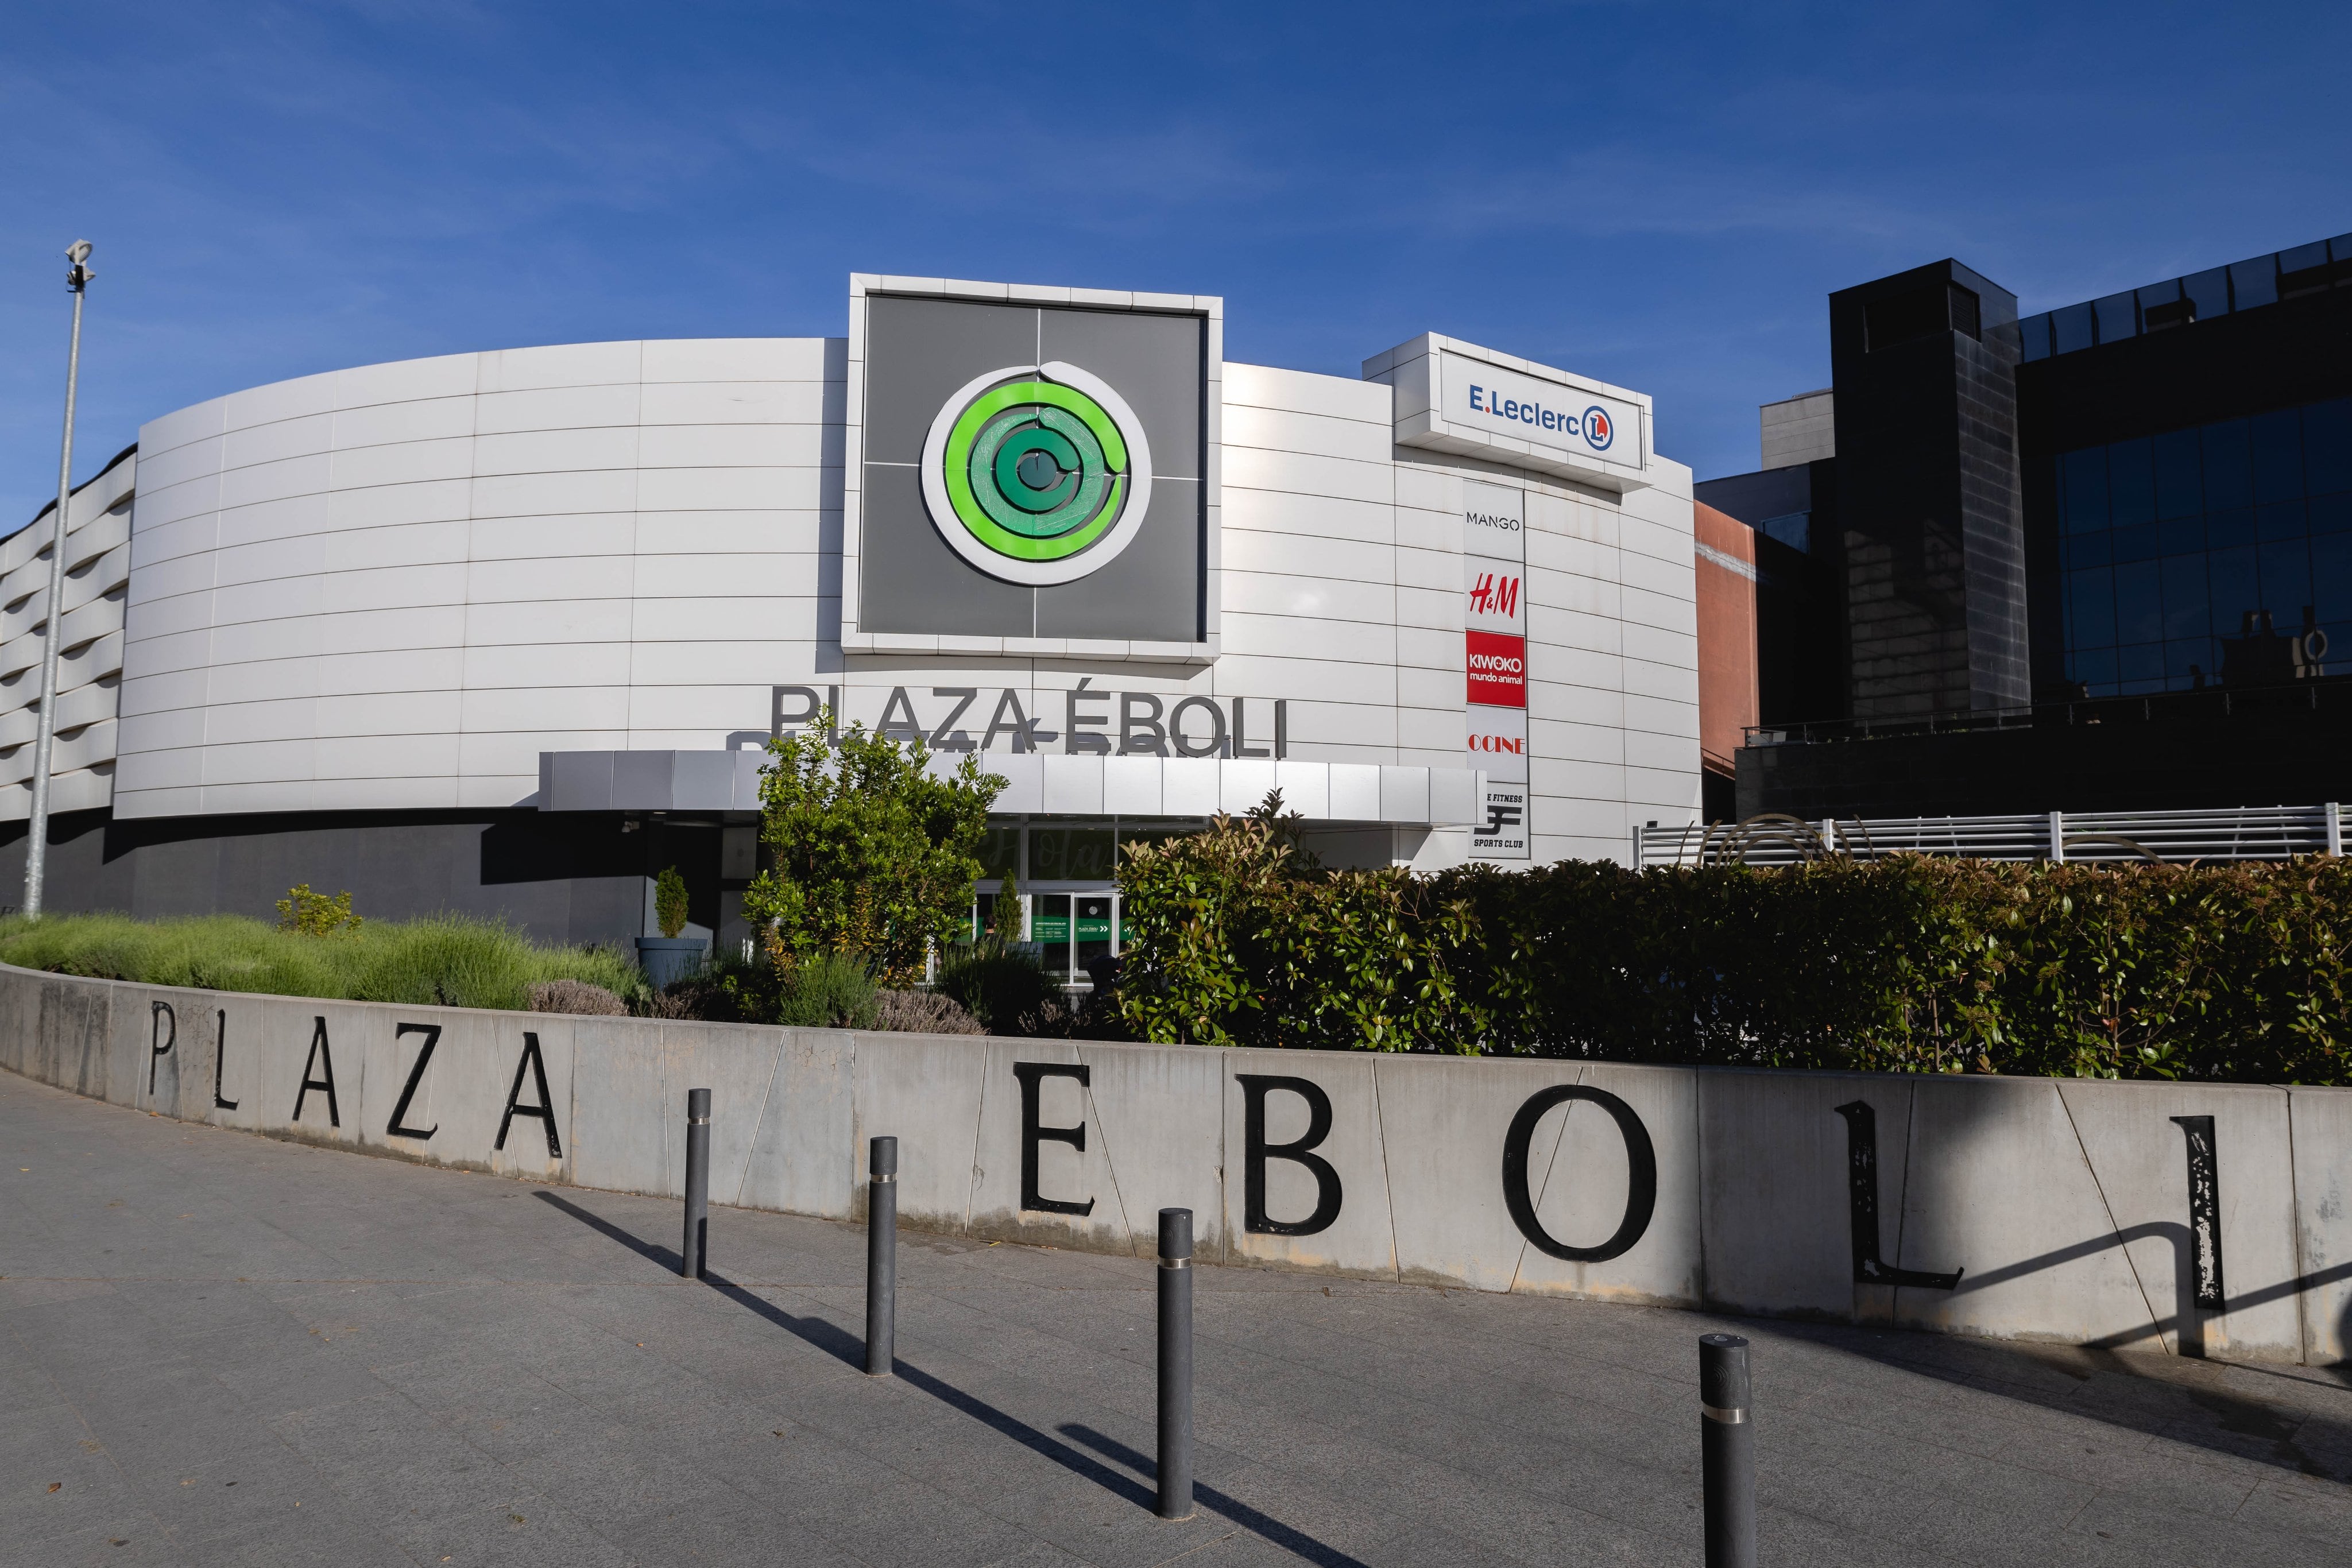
[(2131, 517), (2189, 478)]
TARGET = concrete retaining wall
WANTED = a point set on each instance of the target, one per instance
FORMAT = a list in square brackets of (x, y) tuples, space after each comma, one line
[(2071, 1211)]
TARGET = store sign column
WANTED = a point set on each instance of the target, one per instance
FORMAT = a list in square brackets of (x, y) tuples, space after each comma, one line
[(1495, 618)]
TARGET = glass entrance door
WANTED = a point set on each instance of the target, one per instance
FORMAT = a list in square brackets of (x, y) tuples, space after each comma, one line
[(1064, 929), (1091, 933), (1049, 927)]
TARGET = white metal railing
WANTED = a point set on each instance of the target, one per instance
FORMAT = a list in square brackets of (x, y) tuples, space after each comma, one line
[(2238, 833)]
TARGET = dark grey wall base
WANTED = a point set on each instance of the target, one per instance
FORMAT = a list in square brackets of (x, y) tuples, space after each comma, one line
[(569, 877)]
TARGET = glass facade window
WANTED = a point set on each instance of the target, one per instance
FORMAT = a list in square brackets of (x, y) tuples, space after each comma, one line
[(2131, 483), (2253, 282), (1059, 853), (2033, 337), (2327, 448), (2304, 258), (2229, 464), (2162, 304), (2071, 329), (2180, 475), (2218, 553), (2118, 318), (2199, 297), (2278, 457), (2304, 270), (1000, 852), (2209, 292)]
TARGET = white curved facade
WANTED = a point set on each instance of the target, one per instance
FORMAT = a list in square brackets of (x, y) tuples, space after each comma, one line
[(420, 586), (396, 586)]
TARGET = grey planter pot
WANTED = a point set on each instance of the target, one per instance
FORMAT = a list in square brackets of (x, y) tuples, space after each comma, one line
[(665, 959)]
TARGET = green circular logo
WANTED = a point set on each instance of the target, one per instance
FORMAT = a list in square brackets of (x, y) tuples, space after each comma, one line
[(1037, 474)]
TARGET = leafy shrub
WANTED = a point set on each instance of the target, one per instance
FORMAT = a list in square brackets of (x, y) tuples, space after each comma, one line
[(712, 994), (871, 854), (1005, 987), (923, 1012), (314, 913), (1904, 964), (449, 959), (824, 990), (669, 902)]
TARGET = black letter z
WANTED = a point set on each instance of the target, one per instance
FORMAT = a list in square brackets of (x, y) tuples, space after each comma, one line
[(432, 1033)]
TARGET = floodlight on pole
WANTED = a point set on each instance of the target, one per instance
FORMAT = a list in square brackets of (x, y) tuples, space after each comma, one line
[(36, 836)]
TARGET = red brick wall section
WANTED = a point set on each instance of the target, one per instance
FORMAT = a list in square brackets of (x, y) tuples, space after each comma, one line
[(1727, 634)]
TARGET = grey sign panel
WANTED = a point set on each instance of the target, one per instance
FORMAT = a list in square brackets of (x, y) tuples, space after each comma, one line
[(1152, 591), (911, 581), (1157, 363), (918, 353)]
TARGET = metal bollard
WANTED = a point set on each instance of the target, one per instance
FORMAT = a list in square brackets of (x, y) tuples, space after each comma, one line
[(1175, 1363), (1727, 1449), (694, 1257), (881, 1254)]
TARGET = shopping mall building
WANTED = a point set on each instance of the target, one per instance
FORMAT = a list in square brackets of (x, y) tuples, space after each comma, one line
[(505, 632)]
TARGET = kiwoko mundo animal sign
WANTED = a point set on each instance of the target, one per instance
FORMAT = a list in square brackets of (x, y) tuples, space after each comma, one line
[(2078, 1211)]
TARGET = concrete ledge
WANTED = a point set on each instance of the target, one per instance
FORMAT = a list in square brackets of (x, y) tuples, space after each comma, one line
[(2065, 1206)]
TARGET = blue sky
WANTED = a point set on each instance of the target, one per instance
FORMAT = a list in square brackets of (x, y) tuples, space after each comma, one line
[(1658, 194)]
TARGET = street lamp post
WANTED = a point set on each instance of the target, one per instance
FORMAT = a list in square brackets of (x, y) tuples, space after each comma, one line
[(36, 838)]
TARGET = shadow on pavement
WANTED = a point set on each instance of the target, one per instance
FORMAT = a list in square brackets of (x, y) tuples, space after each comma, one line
[(2306, 1429), (849, 1348), (1218, 1502), (667, 1257)]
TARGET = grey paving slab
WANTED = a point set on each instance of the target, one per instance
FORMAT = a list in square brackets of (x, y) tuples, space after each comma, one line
[(405, 1365)]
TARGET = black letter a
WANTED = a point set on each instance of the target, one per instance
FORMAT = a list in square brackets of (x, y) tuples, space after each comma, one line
[(320, 1055), (545, 1110)]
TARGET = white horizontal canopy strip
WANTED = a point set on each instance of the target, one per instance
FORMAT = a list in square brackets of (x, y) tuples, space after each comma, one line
[(1041, 783)]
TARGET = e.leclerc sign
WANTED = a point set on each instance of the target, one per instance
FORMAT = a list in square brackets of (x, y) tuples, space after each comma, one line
[(1543, 413)]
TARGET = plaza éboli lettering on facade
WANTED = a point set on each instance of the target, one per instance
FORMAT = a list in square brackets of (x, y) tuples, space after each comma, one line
[(1094, 721)]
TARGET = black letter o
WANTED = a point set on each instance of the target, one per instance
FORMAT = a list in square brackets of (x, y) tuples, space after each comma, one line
[(1641, 1187)]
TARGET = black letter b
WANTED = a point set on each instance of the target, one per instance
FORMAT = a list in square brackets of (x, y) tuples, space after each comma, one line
[(1257, 1152)]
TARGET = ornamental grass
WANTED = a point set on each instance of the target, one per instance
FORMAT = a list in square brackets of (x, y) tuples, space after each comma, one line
[(449, 960)]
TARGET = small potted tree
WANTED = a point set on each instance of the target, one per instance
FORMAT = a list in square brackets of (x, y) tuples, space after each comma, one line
[(670, 957)]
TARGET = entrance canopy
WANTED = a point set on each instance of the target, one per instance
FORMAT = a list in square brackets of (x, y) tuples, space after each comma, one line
[(1042, 784)]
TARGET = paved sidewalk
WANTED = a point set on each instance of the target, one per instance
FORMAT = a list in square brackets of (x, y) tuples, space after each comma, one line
[(219, 1349)]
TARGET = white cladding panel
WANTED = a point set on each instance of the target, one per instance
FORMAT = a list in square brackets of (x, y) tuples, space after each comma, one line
[(396, 586)]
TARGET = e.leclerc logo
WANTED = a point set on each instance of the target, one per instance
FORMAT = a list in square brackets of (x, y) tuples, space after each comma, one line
[(1037, 474), (1594, 425)]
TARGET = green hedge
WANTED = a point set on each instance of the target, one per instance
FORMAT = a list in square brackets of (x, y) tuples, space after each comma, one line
[(449, 960), (1908, 964)]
